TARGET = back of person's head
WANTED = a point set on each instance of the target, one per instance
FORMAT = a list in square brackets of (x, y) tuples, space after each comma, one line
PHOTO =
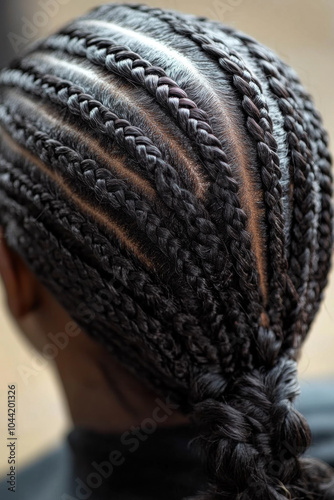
[(168, 180)]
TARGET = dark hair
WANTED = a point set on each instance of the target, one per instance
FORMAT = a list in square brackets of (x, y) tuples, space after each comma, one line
[(169, 180)]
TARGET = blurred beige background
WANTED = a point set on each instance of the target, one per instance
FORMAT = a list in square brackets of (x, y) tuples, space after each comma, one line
[(302, 33)]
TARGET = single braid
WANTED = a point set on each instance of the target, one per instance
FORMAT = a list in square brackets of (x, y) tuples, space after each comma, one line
[(249, 456)]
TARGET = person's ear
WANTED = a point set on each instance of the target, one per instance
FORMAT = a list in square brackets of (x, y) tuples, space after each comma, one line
[(19, 282)]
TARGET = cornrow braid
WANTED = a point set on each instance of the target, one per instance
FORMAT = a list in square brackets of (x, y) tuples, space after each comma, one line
[(30, 191), (168, 179), (323, 161), (260, 127), (86, 314), (305, 131), (225, 348), (47, 149), (77, 105), (64, 92), (194, 121), (69, 219)]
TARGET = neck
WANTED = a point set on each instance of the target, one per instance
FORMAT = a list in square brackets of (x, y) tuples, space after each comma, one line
[(103, 396)]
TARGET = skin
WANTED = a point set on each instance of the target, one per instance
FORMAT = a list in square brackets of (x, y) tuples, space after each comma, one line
[(101, 394)]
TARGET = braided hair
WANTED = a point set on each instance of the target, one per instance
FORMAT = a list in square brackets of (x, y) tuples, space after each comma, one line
[(169, 180)]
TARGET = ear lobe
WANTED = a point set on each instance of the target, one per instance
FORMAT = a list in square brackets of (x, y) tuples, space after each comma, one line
[(19, 282)]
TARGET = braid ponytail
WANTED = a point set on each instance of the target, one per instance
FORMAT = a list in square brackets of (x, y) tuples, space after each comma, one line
[(172, 177)]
